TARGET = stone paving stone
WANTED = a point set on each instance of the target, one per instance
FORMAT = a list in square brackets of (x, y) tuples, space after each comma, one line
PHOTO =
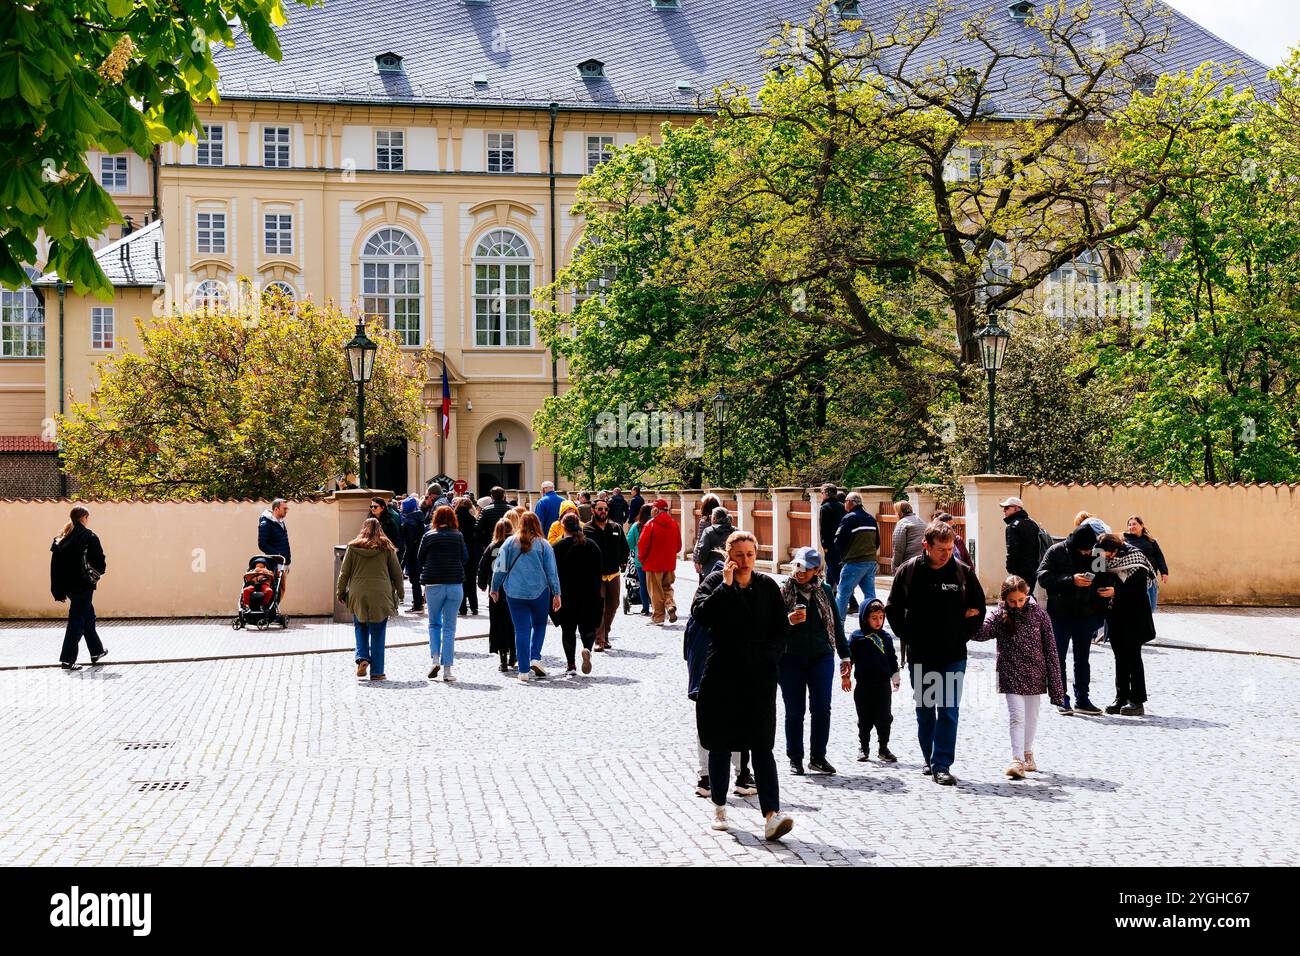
[(293, 761)]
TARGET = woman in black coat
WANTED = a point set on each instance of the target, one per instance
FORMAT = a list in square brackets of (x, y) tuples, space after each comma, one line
[(736, 707), (76, 562), (379, 511), (578, 561), (467, 523), (501, 629), (1128, 621)]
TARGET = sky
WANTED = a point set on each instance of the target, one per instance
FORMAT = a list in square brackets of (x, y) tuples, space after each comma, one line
[(1266, 29)]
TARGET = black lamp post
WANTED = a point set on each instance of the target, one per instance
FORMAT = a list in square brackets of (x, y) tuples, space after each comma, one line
[(500, 442), (592, 428), (720, 403), (992, 341), (361, 364)]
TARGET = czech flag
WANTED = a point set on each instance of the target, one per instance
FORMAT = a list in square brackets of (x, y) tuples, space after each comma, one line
[(446, 403)]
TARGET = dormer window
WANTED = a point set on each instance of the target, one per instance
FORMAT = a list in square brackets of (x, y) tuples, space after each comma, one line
[(665, 4), (1146, 84), (388, 63), (847, 8), (1021, 10), (591, 69)]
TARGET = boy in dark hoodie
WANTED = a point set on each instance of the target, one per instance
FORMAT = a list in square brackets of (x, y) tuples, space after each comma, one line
[(872, 656)]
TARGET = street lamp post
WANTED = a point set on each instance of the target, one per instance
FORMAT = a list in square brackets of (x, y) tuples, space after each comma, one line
[(361, 364), (992, 341), (720, 403), (500, 442), (592, 427)]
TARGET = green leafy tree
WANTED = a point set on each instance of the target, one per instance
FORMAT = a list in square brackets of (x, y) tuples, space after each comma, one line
[(248, 402), (111, 75)]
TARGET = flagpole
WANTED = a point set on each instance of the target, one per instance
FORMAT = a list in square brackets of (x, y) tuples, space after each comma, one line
[(442, 431)]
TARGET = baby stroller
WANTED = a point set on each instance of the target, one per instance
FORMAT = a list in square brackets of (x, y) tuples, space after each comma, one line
[(261, 613), (631, 591)]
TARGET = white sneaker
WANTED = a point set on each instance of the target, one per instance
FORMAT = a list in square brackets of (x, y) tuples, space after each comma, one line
[(446, 674), (720, 819), (537, 668), (524, 677), (777, 826), (571, 672)]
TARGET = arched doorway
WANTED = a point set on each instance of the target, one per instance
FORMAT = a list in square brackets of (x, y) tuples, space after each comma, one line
[(517, 470)]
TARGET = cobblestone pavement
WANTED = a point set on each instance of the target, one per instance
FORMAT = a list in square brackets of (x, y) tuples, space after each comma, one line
[(289, 760)]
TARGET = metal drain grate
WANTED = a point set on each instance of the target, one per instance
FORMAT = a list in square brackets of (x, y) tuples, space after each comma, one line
[(154, 786), (147, 744)]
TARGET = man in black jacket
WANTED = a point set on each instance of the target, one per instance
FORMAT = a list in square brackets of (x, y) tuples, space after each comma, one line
[(829, 516), (635, 505), (1076, 603), (614, 553), (487, 520), (935, 606), (618, 507), (1022, 540)]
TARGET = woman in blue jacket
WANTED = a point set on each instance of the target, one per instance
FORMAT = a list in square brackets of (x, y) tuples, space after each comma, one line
[(525, 570)]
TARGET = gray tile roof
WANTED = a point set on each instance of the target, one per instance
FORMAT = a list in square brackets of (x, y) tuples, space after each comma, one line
[(530, 51), (134, 260)]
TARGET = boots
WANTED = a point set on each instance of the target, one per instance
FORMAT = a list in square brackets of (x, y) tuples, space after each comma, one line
[(504, 666)]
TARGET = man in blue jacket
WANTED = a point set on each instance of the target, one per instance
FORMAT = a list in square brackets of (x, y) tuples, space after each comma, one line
[(273, 536), (547, 508), (857, 542)]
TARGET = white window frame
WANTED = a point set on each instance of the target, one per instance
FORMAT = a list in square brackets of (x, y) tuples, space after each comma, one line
[(22, 323), (495, 302), (502, 144), (392, 282), (285, 290), (210, 293), (115, 174), (103, 328), (210, 150), (277, 233), (390, 154), (213, 226), (604, 147), (277, 147)]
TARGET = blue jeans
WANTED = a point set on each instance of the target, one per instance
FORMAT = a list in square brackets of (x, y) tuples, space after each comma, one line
[(852, 575), (1080, 631), (807, 681), (529, 618), (443, 602), (370, 642), (937, 693), (645, 590), (1153, 591)]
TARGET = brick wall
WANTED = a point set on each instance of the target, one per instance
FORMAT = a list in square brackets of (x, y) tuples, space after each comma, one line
[(31, 475)]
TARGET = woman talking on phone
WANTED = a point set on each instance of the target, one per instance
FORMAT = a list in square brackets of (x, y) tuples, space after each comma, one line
[(736, 707)]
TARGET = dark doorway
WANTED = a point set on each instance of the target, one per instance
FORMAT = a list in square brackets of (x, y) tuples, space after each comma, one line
[(489, 474), (390, 469)]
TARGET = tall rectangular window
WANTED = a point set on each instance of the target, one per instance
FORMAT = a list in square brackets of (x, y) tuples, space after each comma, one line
[(102, 327), (275, 146), (390, 150), (599, 149), (211, 230), (113, 173), (22, 324), (279, 234), (211, 148), (500, 152)]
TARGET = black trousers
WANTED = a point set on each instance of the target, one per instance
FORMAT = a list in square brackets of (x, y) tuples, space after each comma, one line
[(769, 789), (417, 590), (471, 585), (871, 697), (1130, 677), (569, 636), (81, 623)]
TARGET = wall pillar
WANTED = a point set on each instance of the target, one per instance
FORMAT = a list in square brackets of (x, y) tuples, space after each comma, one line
[(690, 497), (924, 500), (353, 510), (782, 498), (815, 496), (873, 495), (985, 530)]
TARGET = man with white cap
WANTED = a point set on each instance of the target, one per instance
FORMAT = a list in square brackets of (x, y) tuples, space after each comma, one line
[(1024, 553), (807, 668)]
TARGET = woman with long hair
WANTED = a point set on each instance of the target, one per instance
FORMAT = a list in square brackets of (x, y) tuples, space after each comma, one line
[(76, 564), (442, 572), (705, 521), (371, 584), (501, 632), (525, 571), (578, 563), (467, 522), (1139, 537), (1128, 621), (633, 536)]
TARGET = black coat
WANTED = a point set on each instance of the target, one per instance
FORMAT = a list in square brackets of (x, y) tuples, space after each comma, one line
[(617, 509), (67, 574), (1151, 548), (1061, 563), (634, 508), (613, 546), (581, 600), (1022, 546), (1129, 615), (412, 532), (501, 630), (391, 529), (736, 706), (829, 517), (442, 557), (487, 522)]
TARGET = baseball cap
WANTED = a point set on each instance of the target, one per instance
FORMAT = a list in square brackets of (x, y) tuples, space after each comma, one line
[(807, 559), (1008, 502), (661, 504)]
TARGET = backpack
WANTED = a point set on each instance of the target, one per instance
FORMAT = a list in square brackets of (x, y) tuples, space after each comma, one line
[(1044, 542)]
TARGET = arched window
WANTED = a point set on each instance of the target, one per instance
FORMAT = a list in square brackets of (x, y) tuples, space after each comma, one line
[(22, 323), (390, 282), (503, 290), (997, 271), (210, 294), (278, 293)]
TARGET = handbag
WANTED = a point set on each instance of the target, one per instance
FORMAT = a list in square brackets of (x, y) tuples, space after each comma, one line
[(90, 574)]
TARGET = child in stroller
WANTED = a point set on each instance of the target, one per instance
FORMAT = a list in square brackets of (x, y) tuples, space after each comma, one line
[(259, 601), (257, 586)]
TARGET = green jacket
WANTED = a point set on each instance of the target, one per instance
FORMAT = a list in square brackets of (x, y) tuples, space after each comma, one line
[(370, 583), (807, 641)]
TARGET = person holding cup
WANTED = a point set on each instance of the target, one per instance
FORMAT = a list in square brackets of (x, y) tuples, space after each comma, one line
[(807, 669)]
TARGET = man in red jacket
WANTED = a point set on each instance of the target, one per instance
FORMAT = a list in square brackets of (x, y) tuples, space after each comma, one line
[(657, 549)]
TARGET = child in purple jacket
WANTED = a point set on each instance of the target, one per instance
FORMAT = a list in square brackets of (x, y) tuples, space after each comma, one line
[(1027, 666)]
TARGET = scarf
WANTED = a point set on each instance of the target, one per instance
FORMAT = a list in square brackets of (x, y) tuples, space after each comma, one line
[(793, 594), (1128, 560)]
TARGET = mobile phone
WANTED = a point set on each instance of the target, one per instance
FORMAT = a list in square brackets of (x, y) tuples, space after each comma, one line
[(1089, 575)]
